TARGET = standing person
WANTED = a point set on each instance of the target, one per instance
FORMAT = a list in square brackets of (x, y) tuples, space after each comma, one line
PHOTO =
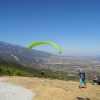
[(82, 75)]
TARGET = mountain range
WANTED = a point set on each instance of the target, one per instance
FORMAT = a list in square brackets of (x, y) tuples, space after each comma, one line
[(20, 54), (45, 60)]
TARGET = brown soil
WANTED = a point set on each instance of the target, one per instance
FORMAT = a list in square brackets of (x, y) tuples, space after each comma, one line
[(49, 89)]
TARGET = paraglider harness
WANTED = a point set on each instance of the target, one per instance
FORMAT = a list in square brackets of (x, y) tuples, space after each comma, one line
[(42, 72), (98, 82)]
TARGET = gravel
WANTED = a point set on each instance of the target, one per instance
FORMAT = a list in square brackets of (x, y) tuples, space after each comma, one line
[(10, 91)]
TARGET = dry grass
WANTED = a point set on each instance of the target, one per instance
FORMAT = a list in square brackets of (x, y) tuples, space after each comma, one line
[(47, 89)]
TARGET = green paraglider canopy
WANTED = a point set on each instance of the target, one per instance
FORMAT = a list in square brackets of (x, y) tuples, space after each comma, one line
[(45, 42)]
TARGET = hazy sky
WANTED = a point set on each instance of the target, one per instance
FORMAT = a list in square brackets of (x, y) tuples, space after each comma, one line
[(65, 22)]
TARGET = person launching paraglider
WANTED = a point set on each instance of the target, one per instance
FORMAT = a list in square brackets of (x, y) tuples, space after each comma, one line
[(82, 75), (42, 72)]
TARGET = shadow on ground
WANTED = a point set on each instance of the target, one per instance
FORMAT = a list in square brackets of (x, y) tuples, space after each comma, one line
[(79, 98)]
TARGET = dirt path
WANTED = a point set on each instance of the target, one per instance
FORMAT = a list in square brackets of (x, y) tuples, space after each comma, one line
[(47, 89)]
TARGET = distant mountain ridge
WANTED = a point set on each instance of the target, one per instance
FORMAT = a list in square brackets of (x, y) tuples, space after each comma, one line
[(20, 54)]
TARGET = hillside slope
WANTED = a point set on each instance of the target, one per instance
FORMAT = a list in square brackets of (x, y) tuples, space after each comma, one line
[(20, 54), (11, 68), (47, 89)]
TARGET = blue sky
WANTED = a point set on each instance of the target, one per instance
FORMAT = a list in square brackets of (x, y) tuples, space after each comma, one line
[(65, 22)]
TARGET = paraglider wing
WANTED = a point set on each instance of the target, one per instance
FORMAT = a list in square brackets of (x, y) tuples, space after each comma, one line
[(44, 42), (90, 34)]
